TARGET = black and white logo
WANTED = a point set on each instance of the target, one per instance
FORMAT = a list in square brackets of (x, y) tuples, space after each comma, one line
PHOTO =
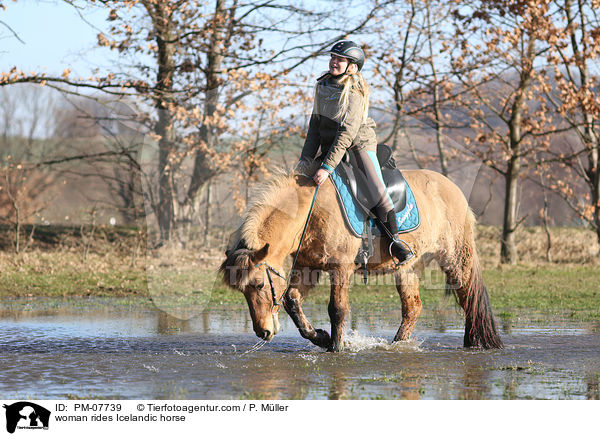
[(26, 415)]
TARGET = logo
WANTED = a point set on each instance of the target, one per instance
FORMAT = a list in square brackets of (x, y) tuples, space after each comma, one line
[(406, 215), (26, 415)]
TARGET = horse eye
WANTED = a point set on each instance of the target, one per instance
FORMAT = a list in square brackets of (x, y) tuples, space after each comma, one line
[(259, 286)]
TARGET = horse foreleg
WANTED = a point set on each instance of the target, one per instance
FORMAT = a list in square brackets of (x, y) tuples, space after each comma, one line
[(338, 308), (292, 305), (407, 285)]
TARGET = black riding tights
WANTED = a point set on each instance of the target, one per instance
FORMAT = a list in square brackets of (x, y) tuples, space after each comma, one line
[(379, 200)]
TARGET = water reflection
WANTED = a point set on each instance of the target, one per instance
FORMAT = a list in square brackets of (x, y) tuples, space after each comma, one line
[(339, 385), (168, 324), (108, 352), (593, 386), (475, 383)]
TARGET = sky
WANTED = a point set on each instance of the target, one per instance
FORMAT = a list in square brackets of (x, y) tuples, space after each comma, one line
[(54, 37)]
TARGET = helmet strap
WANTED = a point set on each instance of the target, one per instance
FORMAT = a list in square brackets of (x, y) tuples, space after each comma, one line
[(339, 76)]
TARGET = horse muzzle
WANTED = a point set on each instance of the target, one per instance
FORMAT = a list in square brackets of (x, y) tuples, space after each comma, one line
[(267, 334)]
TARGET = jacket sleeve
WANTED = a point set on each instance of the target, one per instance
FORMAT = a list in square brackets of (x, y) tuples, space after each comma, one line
[(312, 141), (346, 133)]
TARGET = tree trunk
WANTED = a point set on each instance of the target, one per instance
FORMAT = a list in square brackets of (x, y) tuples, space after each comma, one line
[(508, 247), (164, 128), (221, 34), (207, 213), (166, 212), (596, 203), (437, 112), (593, 172)]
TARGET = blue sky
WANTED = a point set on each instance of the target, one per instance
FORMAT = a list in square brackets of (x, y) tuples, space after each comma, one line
[(54, 37)]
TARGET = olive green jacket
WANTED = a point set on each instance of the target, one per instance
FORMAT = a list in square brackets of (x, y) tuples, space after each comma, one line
[(333, 136)]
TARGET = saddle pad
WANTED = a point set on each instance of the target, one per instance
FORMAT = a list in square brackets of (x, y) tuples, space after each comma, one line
[(408, 218)]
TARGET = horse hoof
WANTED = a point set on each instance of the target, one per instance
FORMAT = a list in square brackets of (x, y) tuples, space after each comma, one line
[(322, 339), (335, 348)]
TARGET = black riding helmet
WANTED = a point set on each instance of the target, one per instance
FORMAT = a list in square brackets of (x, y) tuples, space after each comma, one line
[(349, 50)]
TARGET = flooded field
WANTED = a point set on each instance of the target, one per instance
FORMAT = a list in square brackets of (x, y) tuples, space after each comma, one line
[(102, 351)]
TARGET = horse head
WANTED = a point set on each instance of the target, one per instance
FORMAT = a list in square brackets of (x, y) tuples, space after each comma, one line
[(246, 270)]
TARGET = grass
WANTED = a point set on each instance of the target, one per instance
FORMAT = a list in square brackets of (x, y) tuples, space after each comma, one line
[(556, 289), (55, 267)]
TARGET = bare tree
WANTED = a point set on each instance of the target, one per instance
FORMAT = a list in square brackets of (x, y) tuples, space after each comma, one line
[(27, 127), (574, 58), (500, 43)]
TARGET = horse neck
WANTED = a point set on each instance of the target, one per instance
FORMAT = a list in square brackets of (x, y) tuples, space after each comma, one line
[(283, 224)]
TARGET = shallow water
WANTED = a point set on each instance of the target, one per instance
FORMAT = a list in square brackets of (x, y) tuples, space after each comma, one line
[(107, 352)]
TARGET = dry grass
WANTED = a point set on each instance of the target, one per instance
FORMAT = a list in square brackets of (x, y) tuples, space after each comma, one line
[(117, 245), (573, 246)]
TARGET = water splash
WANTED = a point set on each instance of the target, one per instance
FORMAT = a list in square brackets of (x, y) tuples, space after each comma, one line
[(150, 367), (309, 357), (356, 342)]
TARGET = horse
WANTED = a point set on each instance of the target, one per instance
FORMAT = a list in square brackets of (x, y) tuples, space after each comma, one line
[(271, 230)]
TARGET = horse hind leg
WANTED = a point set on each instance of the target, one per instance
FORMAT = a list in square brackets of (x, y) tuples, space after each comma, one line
[(407, 284)]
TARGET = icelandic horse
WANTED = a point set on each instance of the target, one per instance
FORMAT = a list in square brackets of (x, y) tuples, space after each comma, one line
[(271, 231)]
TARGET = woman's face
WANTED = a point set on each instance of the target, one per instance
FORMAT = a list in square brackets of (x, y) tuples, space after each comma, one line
[(337, 65)]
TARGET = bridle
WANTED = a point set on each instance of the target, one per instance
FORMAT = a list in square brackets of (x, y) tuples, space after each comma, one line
[(269, 269)]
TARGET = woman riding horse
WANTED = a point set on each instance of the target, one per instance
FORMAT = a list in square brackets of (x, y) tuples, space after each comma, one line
[(340, 123), (276, 219)]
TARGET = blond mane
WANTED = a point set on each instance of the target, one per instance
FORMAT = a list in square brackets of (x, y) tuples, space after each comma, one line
[(264, 197)]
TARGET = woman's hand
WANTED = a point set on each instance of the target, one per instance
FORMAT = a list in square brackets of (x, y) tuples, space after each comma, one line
[(320, 176)]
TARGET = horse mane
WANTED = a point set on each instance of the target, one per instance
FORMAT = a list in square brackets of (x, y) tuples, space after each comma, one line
[(245, 244), (263, 197)]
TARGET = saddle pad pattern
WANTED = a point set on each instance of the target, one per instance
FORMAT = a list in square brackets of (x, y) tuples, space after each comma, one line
[(408, 218)]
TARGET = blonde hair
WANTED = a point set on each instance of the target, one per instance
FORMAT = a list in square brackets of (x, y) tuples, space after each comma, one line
[(353, 82)]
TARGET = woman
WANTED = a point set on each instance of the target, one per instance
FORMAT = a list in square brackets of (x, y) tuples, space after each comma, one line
[(340, 123)]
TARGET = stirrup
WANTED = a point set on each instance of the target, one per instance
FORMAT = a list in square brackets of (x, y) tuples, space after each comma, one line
[(409, 255)]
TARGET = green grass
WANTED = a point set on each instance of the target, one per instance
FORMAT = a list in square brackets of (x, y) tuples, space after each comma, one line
[(573, 292)]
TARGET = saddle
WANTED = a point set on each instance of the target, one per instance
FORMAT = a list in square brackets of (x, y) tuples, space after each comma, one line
[(350, 185), (392, 177)]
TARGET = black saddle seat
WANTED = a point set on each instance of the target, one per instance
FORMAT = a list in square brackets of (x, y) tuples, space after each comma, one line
[(392, 177)]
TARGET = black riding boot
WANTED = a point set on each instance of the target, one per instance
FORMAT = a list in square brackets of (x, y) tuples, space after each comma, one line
[(399, 250)]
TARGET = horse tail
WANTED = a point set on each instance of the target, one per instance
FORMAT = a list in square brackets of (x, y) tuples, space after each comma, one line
[(480, 327)]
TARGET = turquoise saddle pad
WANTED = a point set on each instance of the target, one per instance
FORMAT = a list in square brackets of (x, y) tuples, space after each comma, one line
[(408, 218)]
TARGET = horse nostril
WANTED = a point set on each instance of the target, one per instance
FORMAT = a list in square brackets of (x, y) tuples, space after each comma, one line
[(265, 334)]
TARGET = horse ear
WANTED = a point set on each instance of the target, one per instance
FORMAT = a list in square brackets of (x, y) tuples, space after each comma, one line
[(259, 255)]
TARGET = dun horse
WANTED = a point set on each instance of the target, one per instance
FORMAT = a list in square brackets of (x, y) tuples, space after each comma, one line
[(271, 231)]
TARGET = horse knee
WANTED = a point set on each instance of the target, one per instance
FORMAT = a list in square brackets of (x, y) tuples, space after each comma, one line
[(291, 299), (411, 302)]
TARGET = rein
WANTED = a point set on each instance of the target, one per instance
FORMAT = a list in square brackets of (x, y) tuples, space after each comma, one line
[(269, 269)]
